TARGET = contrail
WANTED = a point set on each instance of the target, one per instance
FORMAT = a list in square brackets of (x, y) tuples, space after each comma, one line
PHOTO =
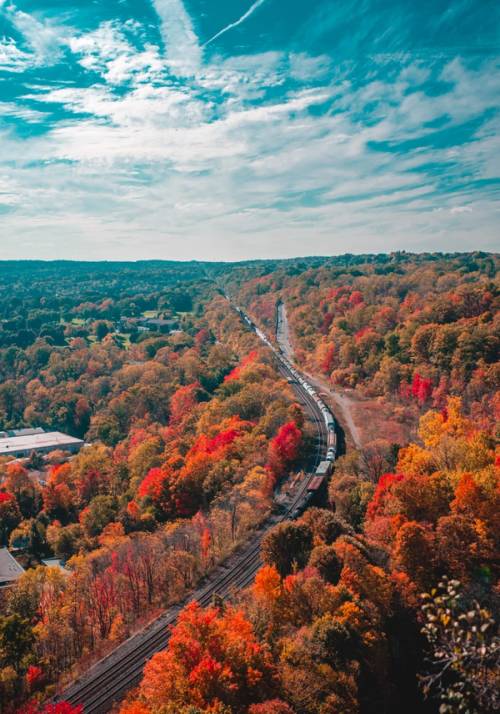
[(244, 17), (181, 44)]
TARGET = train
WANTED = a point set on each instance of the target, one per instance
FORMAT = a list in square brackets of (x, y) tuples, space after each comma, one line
[(329, 419), (325, 467)]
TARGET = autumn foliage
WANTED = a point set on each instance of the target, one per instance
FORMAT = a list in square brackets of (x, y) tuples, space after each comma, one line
[(183, 429), (212, 658), (333, 602), (190, 432), (240, 369), (411, 329), (284, 448)]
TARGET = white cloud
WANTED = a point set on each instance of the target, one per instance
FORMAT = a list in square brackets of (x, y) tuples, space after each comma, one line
[(43, 38), (245, 76), (182, 48), (8, 194), (12, 59), (145, 106), (17, 110), (230, 161), (108, 52), (305, 68), (161, 124)]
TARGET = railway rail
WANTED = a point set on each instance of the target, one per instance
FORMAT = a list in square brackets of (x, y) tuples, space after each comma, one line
[(109, 680)]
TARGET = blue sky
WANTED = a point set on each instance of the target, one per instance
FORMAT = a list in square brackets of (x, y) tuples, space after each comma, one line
[(232, 129)]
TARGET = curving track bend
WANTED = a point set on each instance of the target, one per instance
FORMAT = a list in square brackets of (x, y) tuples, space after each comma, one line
[(109, 680)]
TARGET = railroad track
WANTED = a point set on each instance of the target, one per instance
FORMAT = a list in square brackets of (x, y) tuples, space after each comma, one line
[(109, 680)]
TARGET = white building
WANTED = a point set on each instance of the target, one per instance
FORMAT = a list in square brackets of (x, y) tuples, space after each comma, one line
[(40, 442)]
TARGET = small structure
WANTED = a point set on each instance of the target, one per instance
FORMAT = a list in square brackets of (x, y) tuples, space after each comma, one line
[(55, 563), (42, 443), (158, 324), (10, 570)]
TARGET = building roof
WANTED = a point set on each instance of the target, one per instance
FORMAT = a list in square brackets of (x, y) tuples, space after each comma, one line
[(159, 322), (32, 442), (21, 432), (55, 563), (10, 569)]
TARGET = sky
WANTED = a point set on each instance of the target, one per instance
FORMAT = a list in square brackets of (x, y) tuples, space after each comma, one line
[(235, 129)]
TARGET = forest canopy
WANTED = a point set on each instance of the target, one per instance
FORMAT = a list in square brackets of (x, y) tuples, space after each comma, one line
[(189, 431)]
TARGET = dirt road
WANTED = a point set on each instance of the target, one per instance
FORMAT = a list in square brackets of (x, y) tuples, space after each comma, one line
[(343, 403)]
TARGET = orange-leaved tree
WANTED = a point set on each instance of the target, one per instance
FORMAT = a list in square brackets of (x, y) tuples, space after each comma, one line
[(213, 658)]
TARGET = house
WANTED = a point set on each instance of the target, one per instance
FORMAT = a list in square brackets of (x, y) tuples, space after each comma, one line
[(43, 443), (158, 324), (10, 570)]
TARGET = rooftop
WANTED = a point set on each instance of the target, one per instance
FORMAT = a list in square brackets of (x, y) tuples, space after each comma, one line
[(10, 569), (32, 442), (55, 563), (20, 432), (158, 321)]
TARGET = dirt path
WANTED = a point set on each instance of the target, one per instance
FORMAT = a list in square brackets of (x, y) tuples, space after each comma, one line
[(283, 332), (342, 402)]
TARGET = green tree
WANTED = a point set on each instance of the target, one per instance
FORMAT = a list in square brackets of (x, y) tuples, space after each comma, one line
[(10, 516), (100, 511), (286, 545), (16, 640), (66, 541), (101, 330)]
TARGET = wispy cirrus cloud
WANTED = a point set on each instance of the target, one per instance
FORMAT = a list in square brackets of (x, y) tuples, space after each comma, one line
[(13, 59), (279, 150), (42, 39)]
